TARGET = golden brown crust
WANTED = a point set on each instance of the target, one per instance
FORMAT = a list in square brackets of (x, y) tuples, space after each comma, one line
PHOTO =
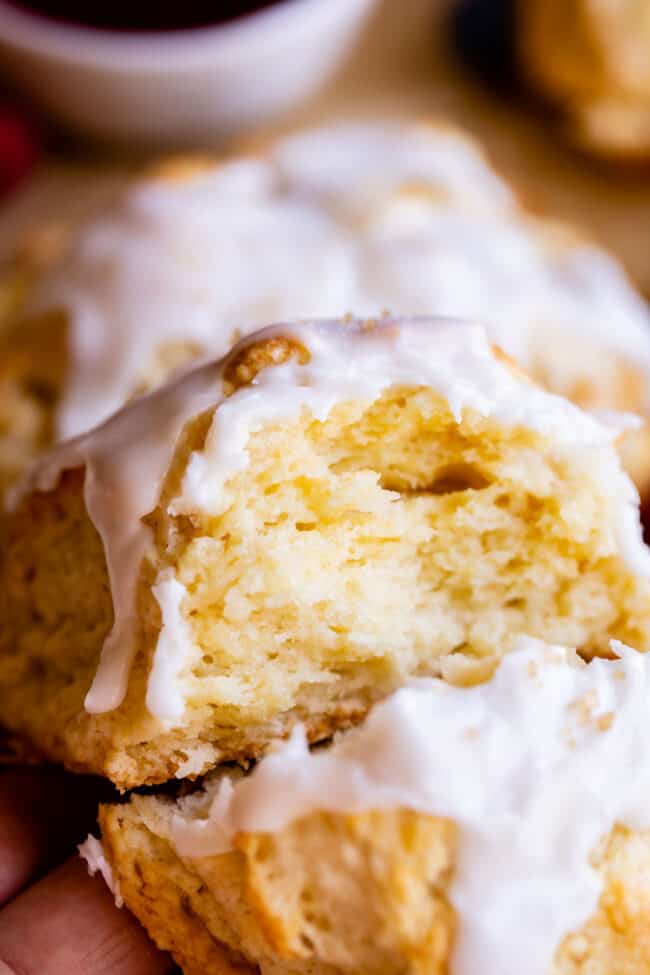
[(164, 898), (339, 894)]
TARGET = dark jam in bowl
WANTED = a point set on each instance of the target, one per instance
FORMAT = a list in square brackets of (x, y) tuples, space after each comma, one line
[(143, 15)]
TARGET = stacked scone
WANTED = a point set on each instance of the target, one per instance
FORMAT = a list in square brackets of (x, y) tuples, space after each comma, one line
[(358, 217), (380, 523)]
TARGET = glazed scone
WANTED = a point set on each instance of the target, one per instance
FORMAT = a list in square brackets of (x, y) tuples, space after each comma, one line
[(459, 830), (291, 533), (354, 217), (592, 60)]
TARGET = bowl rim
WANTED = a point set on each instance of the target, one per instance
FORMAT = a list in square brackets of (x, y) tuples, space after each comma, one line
[(79, 43)]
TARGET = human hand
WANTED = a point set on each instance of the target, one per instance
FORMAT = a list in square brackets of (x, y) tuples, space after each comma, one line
[(54, 918)]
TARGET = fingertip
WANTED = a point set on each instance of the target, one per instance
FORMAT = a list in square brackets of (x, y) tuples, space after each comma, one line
[(67, 924)]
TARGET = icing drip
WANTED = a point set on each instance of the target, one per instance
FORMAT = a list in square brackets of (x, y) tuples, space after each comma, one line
[(125, 461), (535, 767), (164, 697)]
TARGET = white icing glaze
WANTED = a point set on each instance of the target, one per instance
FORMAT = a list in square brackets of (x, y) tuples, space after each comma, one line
[(92, 851), (351, 217), (126, 458), (535, 767), (165, 698)]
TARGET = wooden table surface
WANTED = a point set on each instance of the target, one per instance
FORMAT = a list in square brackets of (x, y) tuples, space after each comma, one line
[(403, 66)]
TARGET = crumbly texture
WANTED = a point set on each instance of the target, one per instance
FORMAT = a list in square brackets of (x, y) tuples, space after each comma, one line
[(336, 894), (330, 894), (592, 60), (385, 542)]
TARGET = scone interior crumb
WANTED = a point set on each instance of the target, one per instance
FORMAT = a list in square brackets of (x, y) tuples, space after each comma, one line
[(388, 541)]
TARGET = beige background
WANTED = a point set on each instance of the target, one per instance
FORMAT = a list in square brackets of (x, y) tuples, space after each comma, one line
[(402, 66)]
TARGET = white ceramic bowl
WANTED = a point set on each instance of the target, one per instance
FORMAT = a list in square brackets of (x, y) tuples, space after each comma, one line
[(179, 87)]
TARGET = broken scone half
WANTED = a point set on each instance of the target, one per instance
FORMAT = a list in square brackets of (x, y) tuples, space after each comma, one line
[(290, 534), (457, 831)]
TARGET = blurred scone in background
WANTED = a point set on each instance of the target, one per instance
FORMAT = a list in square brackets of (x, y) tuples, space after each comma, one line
[(593, 61)]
